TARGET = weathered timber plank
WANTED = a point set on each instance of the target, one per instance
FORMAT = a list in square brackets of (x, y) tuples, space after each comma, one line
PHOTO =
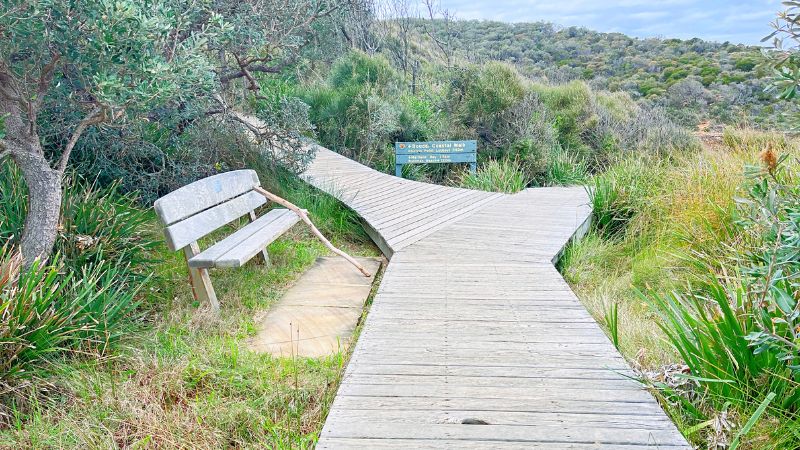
[(472, 321), (203, 194), (269, 221)]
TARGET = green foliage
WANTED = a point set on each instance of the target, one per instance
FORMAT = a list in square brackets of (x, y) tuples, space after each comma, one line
[(47, 310), (772, 268), (79, 300), (33, 326), (98, 225), (709, 328), (752, 420), (359, 110), (115, 58), (570, 105), (358, 69), (617, 195), (737, 330), (645, 69), (747, 63), (611, 320), (489, 91), (495, 176)]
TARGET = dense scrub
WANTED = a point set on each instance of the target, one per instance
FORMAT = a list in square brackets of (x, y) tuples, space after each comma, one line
[(694, 80), (695, 261), (545, 134)]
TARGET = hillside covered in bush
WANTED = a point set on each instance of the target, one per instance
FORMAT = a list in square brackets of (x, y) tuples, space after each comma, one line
[(695, 80)]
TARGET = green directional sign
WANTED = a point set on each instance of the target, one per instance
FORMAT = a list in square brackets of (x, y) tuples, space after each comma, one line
[(434, 152)]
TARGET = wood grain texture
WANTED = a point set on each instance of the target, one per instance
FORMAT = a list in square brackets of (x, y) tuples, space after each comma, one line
[(474, 340), (316, 317), (203, 194), (183, 233), (253, 238)]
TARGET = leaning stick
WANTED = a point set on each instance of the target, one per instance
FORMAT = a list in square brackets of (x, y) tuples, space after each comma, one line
[(302, 214)]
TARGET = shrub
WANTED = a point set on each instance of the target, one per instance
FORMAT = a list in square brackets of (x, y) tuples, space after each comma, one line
[(98, 224), (490, 91), (495, 176), (359, 110), (737, 330), (79, 299), (604, 127), (617, 195), (570, 105), (46, 310), (565, 168)]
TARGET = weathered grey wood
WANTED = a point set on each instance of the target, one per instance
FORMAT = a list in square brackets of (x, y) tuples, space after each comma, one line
[(250, 240), (473, 322), (567, 433), (203, 194), (520, 418), (239, 255), (263, 256), (202, 288), (186, 231), (479, 404), (438, 444), (200, 208)]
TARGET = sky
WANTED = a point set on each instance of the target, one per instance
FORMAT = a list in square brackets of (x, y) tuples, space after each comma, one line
[(742, 21)]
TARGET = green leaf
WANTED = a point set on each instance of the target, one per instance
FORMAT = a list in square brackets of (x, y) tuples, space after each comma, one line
[(752, 421)]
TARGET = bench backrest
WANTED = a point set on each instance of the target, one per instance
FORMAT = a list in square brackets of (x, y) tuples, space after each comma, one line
[(199, 208)]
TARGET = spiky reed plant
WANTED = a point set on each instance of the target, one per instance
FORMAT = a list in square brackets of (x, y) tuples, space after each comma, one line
[(495, 176), (738, 329)]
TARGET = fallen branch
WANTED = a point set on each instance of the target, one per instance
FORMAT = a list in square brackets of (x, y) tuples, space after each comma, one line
[(302, 214)]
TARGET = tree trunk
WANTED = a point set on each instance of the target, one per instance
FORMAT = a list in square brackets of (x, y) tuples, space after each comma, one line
[(44, 204)]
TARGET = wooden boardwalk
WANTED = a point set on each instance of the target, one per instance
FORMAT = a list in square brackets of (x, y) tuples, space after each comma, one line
[(474, 339)]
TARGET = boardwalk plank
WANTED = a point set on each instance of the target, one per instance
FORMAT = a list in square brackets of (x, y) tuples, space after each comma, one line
[(472, 321)]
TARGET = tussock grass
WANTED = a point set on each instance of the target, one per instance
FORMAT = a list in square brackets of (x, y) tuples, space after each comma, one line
[(181, 377), (494, 176), (647, 214), (663, 225)]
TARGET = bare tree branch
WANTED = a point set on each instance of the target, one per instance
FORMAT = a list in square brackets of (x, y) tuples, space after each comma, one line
[(97, 115), (45, 77)]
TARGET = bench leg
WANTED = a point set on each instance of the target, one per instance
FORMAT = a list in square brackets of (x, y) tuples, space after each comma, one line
[(263, 256), (201, 283)]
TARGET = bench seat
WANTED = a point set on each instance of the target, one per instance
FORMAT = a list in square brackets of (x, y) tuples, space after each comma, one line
[(241, 246)]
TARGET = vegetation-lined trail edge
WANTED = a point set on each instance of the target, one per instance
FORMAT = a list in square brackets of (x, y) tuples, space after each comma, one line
[(474, 338)]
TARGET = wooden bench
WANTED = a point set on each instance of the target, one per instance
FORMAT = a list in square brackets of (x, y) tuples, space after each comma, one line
[(198, 209)]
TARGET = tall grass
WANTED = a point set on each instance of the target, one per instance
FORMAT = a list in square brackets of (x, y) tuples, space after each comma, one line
[(79, 300), (98, 224), (698, 236), (738, 328), (495, 176), (329, 214)]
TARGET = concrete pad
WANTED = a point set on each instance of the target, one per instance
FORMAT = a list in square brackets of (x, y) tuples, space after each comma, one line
[(316, 317)]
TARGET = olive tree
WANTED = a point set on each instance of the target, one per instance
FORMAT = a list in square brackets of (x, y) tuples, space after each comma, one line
[(106, 62), (69, 65)]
